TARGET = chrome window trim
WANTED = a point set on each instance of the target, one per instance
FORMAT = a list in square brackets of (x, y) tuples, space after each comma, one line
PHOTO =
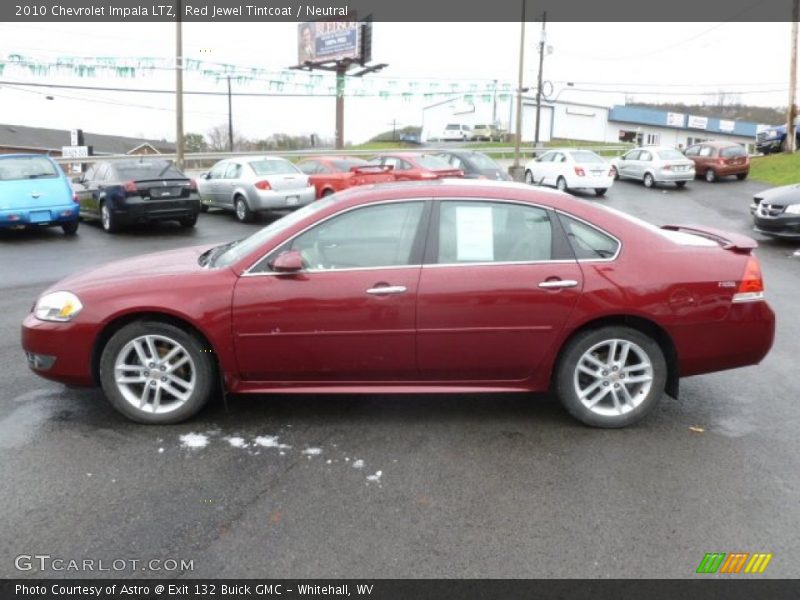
[(247, 271), (601, 230), (315, 271), (499, 263)]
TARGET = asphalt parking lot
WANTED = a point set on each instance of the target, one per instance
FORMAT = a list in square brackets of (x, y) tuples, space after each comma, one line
[(402, 486)]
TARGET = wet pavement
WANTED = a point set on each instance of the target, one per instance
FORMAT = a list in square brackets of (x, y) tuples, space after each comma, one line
[(401, 486)]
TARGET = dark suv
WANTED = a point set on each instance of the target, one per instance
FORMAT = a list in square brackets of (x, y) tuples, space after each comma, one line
[(137, 191)]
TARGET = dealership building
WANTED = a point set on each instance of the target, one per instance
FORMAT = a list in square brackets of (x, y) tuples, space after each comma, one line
[(589, 122)]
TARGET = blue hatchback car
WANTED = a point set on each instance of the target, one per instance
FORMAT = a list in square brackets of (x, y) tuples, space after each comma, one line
[(35, 192)]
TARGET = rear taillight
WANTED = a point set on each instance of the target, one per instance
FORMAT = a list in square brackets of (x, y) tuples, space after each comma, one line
[(192, 185), (75, 197), (263, 185), (667, 167), (751, 287), (579, 171), (611, 172), (427, 175), (130, 187)]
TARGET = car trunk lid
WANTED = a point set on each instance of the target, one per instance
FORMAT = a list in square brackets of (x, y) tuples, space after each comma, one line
[(45, 192)]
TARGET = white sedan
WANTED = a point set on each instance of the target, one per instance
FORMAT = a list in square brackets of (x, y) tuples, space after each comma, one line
[(568, 169)]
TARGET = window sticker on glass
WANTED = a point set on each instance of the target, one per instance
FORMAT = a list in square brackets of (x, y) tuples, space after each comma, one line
[(474, 233)]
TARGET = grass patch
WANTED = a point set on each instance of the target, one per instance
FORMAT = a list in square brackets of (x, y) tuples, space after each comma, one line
[(777, 169)]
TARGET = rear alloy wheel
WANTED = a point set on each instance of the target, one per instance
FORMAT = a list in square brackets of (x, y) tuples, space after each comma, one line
[(600, 191), (561, 184), (107, 219), (243, 212), (156, 373), (680, 184), (611, 377), (741, 176), (711, 176), (70, 228), (529, 177), (649, 180)]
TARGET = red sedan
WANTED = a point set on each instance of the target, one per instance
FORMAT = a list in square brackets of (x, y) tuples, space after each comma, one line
[(331, 174), (417, 166), (456, 286)]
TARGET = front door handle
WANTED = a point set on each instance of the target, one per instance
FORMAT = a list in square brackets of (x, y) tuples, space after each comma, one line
[(558, 284), (387, 290)]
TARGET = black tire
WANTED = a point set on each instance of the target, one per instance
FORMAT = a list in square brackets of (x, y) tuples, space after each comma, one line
[(202, 364), (680, 184), (107, 219), (529, 177), (711, 176), (561, 184), (741, 176), (326, 193), (567, 377), (243, 212), (203, 208), (188, 222), (70, 228), (649, 181), (600, 191)]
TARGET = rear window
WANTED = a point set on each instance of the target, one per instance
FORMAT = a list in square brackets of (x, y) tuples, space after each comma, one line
[(453, 127), (428, 161), (346, 165), (669, 154), (587, 241), (482, 161), (147, 170), (732, 152), (586, 156), (272, 167), (26, 167), (481, 127)]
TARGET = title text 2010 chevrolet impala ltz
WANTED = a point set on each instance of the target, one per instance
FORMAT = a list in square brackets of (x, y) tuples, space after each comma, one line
[(434, 287)]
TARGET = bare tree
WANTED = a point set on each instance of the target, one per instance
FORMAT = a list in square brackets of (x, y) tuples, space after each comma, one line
[(218, 140)]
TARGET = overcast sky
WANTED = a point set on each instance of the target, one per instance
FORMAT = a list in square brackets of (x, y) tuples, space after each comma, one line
[(671, 61)]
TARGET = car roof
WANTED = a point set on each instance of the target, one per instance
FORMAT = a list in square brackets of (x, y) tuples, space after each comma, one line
[(25, 155), (716, 144), (333, 157)]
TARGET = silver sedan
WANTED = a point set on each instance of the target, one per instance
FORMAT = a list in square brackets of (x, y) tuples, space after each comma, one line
[(253, 184), (654, 164)]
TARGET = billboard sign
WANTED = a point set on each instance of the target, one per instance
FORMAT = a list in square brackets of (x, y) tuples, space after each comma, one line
[(698, 122), (674, 119), (324, 41)]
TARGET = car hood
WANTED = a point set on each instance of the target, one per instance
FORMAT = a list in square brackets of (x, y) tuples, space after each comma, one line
[(168, 264), (785, 194)]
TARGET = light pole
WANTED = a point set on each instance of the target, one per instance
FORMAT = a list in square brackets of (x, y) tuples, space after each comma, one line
[(179, 90), (542, 39), (516, 170)]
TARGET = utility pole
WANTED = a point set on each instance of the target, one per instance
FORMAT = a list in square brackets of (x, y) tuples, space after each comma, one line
[(542, 40), (341, 69), (791, 145), (494, 103), (179, 90), (230, 117), (516, 170)]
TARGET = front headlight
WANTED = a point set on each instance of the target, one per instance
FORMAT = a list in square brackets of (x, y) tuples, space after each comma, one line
[(793, 209), (57, 306)]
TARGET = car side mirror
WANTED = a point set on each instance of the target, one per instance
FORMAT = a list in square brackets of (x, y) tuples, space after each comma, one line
[(205, 175), (290, 261)]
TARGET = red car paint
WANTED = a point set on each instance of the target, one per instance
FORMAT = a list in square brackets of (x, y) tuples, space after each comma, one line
[(418, 166), (328, 177), (469, 327)]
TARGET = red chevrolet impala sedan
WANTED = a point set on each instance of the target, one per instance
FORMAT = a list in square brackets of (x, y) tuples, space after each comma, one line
[(449, 286)]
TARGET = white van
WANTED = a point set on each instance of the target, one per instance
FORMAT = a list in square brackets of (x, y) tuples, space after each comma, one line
[(456, 131)]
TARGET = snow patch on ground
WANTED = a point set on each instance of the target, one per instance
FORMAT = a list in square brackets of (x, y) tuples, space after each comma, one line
[(194, 440), (270, 441), (236, 441), (358, 464), (312, 451), (376, 478)]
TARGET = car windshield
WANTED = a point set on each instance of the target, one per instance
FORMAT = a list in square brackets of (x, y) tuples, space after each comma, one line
[(26, 167), (272, 167), (670, 154), (586, 156), (150, 169), (482, 161), (732, 152), (428, 161), (244, 247), (346, 165)]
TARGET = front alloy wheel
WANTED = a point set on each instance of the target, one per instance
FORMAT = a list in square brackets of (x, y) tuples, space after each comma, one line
[(154, 372), (611, 377)]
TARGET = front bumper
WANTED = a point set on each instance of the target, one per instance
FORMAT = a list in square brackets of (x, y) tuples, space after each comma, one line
[(769, 146), (783, 226), (284, 199), (39, 217), (59, 351)]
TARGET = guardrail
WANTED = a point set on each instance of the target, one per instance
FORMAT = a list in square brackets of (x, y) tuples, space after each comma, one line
[(193, 157)]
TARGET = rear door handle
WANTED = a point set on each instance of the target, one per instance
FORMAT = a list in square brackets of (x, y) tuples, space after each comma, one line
[(387, 290), (558, 283)]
